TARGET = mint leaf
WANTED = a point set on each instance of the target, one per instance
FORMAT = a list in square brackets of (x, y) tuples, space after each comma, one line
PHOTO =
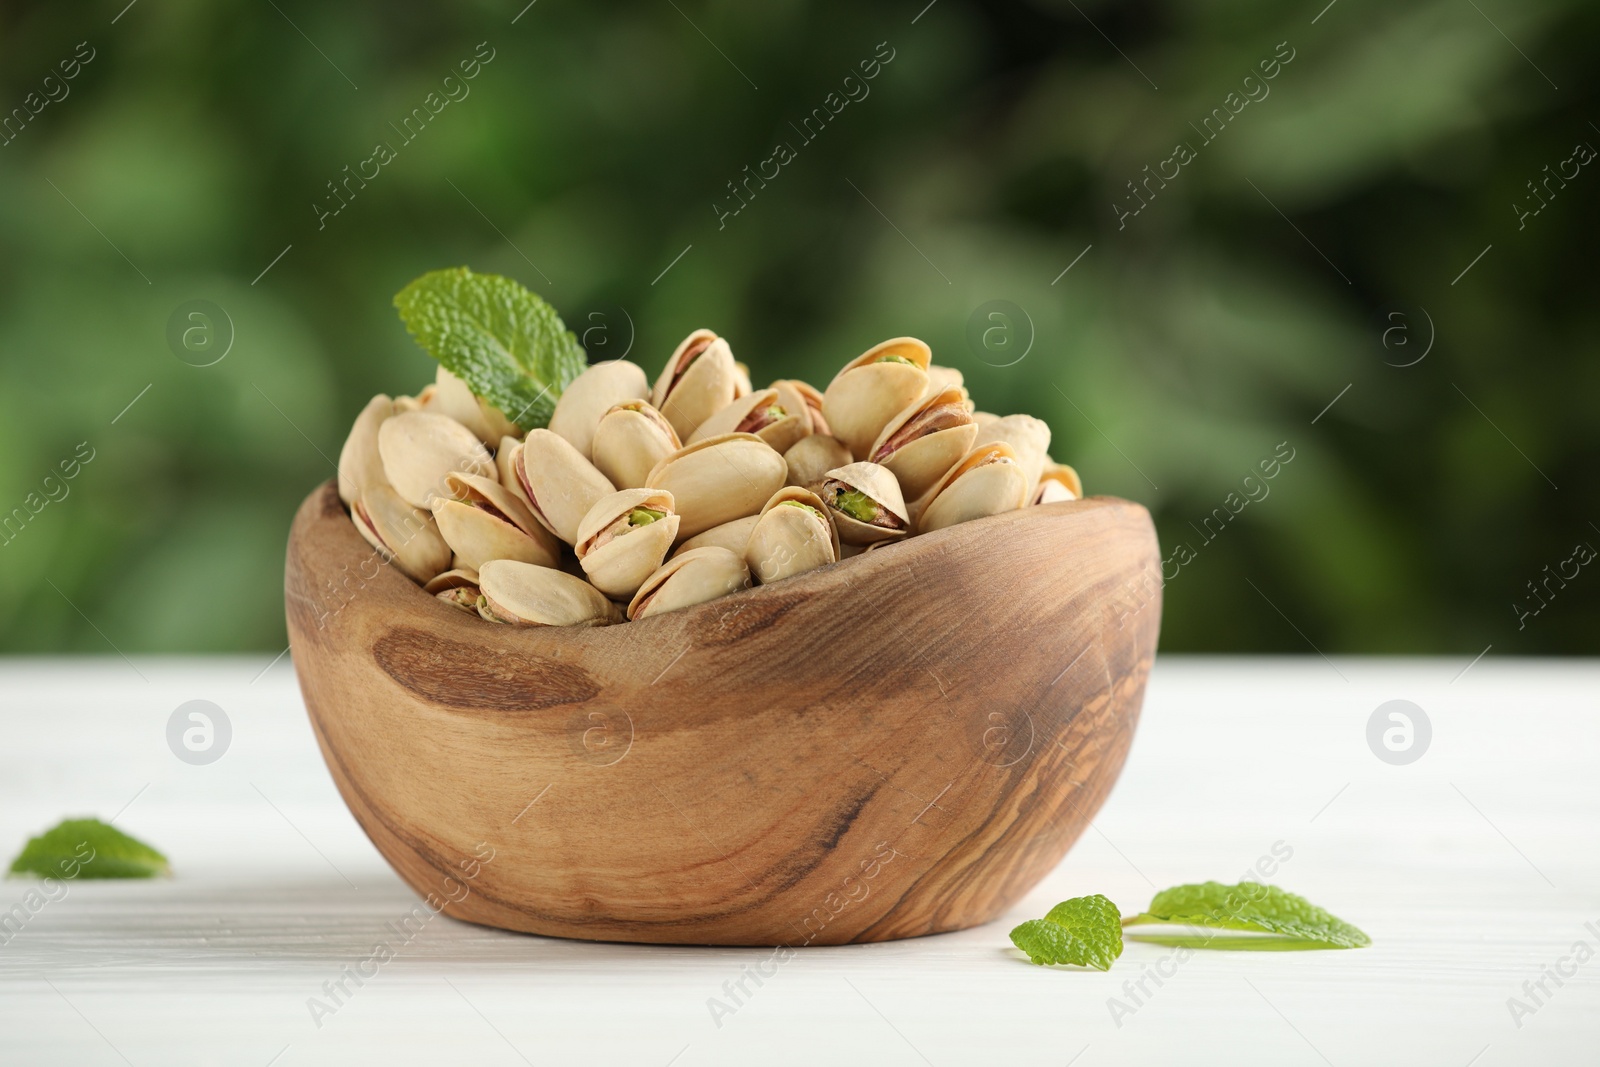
[(88, 848), (1250, 906), (508, 345), (1086, 931)]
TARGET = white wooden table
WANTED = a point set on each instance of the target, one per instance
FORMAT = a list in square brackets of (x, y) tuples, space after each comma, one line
[(1473, 868)]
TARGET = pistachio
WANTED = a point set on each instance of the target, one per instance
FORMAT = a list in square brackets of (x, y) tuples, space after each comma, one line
[(561, 486), (741, 379), (405, 535), (458, 588), (792, 535), (420, 448), (811, 458), (719, 479), (453, 397), (873, 388), (761, 414), (592, 394), (690, 579), (483, 521), (1028, 437), (988, 481), (526, 595), (941, 378), (359, 463), (630, 440), (802, 397), (505, 463), (865, 502), (733, 536), (624, 538), (698, 381), (1058, 482), (926, 439)]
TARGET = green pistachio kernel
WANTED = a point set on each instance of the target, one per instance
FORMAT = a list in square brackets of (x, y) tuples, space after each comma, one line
[(856, 504), (896, 359), (776, 411), (799, 504), (644, 516)]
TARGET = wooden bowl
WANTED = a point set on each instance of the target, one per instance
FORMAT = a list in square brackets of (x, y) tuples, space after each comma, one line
[(902, 743)]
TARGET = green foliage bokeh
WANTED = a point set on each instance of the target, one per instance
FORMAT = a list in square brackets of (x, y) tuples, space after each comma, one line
[(1180, 350)]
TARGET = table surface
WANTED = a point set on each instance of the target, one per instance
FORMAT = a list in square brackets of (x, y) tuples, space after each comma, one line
[(1473, 868)]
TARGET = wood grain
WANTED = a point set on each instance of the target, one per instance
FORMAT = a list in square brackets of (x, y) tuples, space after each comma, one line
[(900, 744)]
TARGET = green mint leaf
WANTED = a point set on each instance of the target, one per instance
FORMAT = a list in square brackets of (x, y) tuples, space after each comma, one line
[(1086, 931), (88, 848), (508, 345), (1250, 906)]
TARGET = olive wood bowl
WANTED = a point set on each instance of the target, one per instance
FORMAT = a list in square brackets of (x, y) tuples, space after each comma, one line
[(901, 743)]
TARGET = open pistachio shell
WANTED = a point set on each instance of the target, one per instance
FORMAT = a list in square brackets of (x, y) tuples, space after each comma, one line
[(404, 404), (630, 440), (865, 503), (624, 538), (698, 381), (593, 393), (1058, 482), (925, 440), (405, 535), (719, 479), (359, 463), (811, 458), (941, 378), (741, 379), (792, 389), (458, 588), (792, 535), (733, 536), (505, 463), (1028, 437), (759, 413), (690, 579), (988, 481), (453, 397), (420, 448), (561, 486), (526, 595), (873, 388), (484, 521)]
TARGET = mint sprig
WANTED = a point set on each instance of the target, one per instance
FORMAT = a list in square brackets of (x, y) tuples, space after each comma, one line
[(1086, 931), (88, 848), (1294, 921), (508, 345)]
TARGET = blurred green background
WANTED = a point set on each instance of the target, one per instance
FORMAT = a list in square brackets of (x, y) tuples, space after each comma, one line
[(596, 144)]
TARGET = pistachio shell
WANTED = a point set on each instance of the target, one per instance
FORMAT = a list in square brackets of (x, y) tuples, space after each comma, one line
[(617, 556), (925, 440), (593, 393), (878, 484), (1058, 482), (699, 380), (359, 463), (419, 448), (741, 379), (719, 479), (1028, 437), (526, 595), (799, 398), (733, 536), (989, 481), (484, 521), (690, 579), (505, 462), (404, 404), (789, 540), (405, 535), (872, 388), (941, 378), (811, 458), (754, 413), (458, 588), (630, 440), (453, 397), (561, 486)]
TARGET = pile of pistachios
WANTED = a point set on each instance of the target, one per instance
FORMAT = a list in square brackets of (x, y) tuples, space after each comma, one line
[(637, 501)]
